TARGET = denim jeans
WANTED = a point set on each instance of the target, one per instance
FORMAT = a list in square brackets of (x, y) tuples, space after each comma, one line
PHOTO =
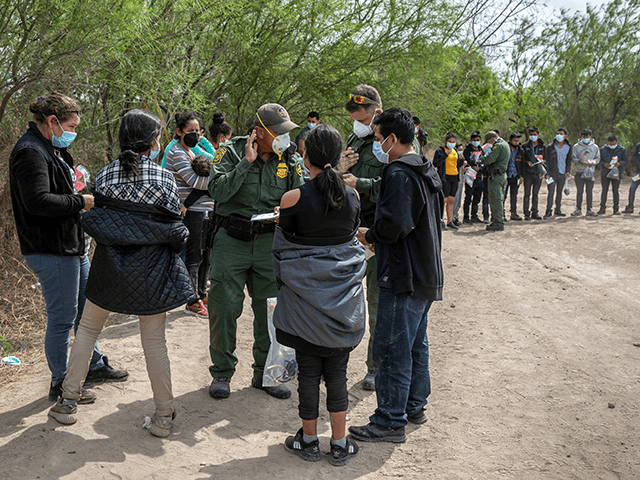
[(196, 259), (401, 358), (582, 185), (457, 201), (632, 192), (63, 280)]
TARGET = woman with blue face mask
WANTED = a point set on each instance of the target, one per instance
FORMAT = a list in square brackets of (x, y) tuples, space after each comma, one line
[(47, 210), (447, 160), (136, 267)]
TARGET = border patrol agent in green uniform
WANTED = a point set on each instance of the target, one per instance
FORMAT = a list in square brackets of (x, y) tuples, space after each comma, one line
[(365, 176), (497, 162), (248, 176)]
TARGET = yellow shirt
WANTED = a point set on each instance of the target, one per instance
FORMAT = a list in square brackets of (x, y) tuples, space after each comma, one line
[(451, 163)]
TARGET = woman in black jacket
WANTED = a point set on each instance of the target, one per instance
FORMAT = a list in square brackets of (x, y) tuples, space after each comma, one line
[(136, 268), (47, 209)]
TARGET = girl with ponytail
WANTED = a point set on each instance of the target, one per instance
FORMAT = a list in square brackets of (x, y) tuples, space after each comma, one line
[(319, 265)]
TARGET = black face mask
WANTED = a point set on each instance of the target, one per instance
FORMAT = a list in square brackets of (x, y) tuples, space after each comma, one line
[(191, 139)]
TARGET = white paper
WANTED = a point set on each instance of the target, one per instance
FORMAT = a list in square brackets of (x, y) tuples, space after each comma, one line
[(264, 217)]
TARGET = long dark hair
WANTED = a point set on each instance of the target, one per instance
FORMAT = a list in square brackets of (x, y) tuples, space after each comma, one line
[(323, 147), (219, 127), (138, 130)]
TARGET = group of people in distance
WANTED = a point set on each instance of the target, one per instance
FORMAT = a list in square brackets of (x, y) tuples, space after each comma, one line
[(529, 164), (368, 212)]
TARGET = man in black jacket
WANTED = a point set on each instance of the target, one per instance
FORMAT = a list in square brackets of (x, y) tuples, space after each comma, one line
[(472, 195), (407, 238), (532, 163), (514, 174), (558, 156)]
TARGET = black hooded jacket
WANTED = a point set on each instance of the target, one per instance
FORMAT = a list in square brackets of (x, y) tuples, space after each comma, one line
[(406, 231)]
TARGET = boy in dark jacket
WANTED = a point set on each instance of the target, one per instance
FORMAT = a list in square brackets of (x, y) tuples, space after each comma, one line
[(533, 161), (407, 237), (611, 155), (514, 174), (472, 195), (558, 156)]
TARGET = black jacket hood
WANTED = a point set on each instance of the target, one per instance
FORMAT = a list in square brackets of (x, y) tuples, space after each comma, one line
[(423, 166)]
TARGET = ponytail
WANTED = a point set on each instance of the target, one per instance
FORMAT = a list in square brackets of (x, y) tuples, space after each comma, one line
[(129, 161), (329, 184)]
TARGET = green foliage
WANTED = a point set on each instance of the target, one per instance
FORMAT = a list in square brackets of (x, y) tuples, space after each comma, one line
[(7, 348)]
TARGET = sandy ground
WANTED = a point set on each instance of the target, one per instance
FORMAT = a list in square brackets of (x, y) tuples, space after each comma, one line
[(532, 342)]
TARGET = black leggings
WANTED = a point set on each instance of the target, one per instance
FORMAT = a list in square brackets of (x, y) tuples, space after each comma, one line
[(310, 369)]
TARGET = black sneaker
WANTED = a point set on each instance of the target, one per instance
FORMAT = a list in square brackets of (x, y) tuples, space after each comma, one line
[(106, 374), (535, 216), (628, 209), (220, 388), (527, 218), (281, 392), (369, 382), (452, 225), (376, 433), (417, 418), (616, 212), (467, 221), (457, 223), (602, 211), (560, 214), (475, 219), (86, 397), (494, 227), (339, 456), (548, 214), (309, 452)]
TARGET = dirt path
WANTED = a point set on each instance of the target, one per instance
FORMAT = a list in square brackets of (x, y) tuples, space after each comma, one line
[(533, 340)]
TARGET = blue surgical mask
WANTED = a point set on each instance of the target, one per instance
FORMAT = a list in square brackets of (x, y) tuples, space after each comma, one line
[(586, 140), (559, 138), (612, 146), (475, 144), (451, 145), (381, 155), (64, 140), (154, 154), (533, 138), (312, 125)]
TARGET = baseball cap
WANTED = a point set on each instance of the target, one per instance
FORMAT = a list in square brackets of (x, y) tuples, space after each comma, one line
[(275, 117), (515, 135)]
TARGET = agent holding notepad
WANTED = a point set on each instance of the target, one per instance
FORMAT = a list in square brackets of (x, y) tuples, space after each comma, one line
[(248, 176)]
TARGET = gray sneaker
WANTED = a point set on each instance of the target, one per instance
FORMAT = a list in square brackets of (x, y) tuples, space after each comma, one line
[(64, 411), (591, 213), (577, 213), (369, 382), (161, 426)]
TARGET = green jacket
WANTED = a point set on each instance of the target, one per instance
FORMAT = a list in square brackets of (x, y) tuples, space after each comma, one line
[(498, 158), (368, 171), (245, 188)]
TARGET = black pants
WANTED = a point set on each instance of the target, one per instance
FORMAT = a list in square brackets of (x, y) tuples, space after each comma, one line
[(310, 369), (581, 185), (197, 259), (472, 197), (555, 188), (615, 184), (512, 187), (532, 183)]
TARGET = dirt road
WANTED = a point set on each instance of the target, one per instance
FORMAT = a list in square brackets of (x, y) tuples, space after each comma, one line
[(531, 345)]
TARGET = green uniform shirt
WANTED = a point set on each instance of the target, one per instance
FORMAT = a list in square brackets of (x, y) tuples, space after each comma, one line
[(302, 134), (368, 170), (498, 158), (244, 188)]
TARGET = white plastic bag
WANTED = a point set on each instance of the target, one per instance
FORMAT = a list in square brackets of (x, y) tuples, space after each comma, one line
[(566, 186), (614, 174), (281, 365), (589, 174), (470, 177)]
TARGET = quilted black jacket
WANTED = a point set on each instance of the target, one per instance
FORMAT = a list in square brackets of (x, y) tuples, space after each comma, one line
[(136, 268)]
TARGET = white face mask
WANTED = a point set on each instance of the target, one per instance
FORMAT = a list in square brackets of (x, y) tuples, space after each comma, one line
[(362, 130), (281, 143)]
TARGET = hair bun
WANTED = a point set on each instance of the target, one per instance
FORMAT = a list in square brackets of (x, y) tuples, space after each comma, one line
[(218, 117)]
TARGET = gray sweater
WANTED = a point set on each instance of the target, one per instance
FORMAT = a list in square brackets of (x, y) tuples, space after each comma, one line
[(321, 298), (582, 152)]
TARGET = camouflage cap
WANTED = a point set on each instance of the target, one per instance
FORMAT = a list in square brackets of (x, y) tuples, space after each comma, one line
[(275, 117)]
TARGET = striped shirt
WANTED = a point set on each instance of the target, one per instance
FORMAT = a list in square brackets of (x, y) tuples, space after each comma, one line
[(152, 185), (179, 164)]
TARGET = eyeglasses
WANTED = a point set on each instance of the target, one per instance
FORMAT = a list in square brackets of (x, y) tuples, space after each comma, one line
[(359, 99)]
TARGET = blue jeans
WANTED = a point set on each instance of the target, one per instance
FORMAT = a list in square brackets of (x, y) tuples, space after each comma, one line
[(401, 358), (63, 280), (632, 192)]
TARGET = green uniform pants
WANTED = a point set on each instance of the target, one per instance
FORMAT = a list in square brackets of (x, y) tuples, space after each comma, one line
[(496, 190), (236, 263), (372, 304)]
